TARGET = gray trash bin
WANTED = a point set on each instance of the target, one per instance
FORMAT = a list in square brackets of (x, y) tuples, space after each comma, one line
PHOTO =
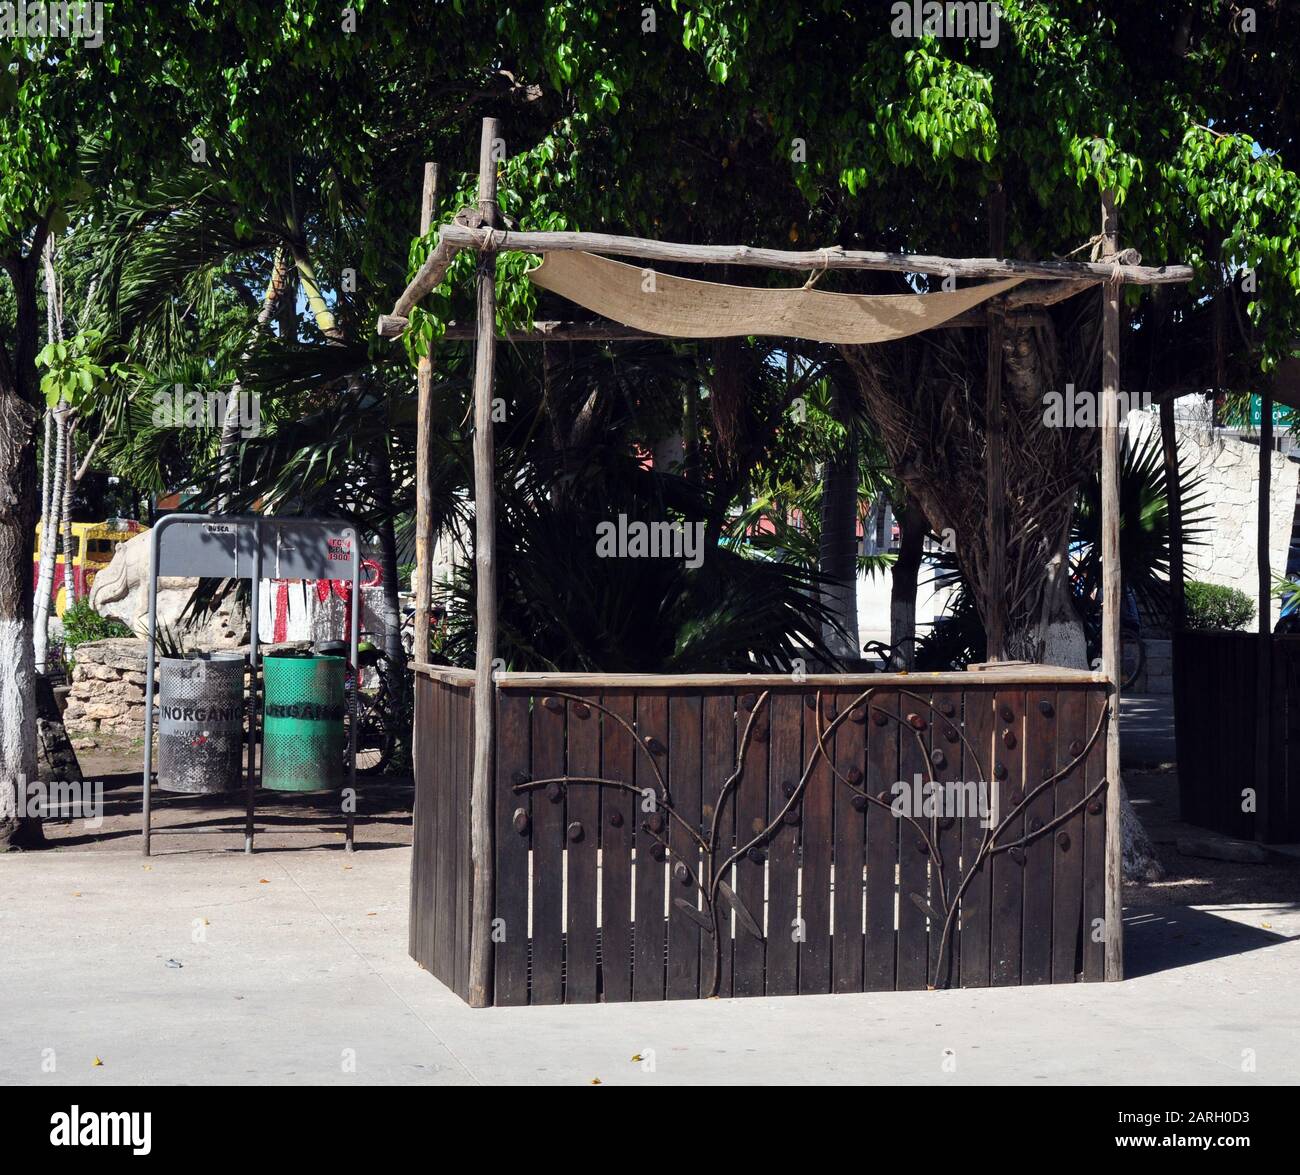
[(201, 723)]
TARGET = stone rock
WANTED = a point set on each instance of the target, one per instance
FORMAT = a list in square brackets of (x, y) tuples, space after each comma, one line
[(121, 591), (84, 744)]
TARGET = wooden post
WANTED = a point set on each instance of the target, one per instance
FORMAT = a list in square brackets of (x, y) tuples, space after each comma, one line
[(995, 490), (423, 439), (483, 897), (1264, 658), (1110, 593)]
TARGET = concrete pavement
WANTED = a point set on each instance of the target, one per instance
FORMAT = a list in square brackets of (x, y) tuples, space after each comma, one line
[(291, 967)]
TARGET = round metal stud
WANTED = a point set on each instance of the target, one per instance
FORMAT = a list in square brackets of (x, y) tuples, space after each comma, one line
[(1007, 713), (521, 821), (616, 819), (879, 717), (916, 722), (576, 831), (581, 710), (1046, 708), (555, 791), (554, 705), (1063, 839), (682, 874), (1009, 738), (859, 802)]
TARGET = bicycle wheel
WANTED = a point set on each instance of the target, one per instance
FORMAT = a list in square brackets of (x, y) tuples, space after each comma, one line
[(1133, 660)]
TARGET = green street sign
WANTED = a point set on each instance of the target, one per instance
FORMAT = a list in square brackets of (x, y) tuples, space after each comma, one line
[(1283, 417)]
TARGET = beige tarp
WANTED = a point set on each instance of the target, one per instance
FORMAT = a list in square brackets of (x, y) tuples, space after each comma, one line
[(684, 308)]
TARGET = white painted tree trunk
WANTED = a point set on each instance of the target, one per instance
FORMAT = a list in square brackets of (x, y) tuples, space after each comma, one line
[(49, 536), (69, 484)]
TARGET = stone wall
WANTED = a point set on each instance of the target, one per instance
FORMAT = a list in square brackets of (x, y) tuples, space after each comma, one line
[(107, 689), (1227, 468)]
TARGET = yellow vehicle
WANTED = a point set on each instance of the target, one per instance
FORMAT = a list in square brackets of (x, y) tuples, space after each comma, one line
[(93, 547)]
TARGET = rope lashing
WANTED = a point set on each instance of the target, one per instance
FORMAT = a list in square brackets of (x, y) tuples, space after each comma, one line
[(824, 256)]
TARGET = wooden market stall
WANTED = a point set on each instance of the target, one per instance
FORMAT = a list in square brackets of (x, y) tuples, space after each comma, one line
[(596, 836)]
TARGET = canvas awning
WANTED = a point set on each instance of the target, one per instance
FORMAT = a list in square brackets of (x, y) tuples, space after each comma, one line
[(681, 307)]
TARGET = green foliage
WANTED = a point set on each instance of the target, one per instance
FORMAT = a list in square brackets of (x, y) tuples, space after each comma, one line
[(81, 623), (1213, 606)]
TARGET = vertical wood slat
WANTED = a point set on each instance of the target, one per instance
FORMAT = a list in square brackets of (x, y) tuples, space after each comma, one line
[(750, 808), (548, 723), (444, 861), (786, 765), (1008, 874), (913, 972), (976, 902), (882, 843), (582, 845), (464, 853), (649, 939), (510, 974), (1067, 840), (685, 732), (718, 759), (1040, 762), (419, 897), (946, 766), (818, 830), (617, 832), (850, 752), (1094, 849)]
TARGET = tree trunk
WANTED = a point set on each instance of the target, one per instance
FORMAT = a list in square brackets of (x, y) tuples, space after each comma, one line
[(838, 555), (913, 528), (49, 540), (18, 498), (232, 421), (1174, 497), (69, 477)]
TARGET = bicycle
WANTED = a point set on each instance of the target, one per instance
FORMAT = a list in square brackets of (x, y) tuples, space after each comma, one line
[(376, 708)]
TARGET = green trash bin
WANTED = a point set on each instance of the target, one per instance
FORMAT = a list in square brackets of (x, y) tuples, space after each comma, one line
[(302, 730)]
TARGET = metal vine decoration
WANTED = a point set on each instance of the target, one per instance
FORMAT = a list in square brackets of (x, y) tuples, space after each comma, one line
[(718, 897)]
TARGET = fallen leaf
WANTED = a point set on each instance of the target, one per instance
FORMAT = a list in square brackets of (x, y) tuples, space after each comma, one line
[(1267, 925), (263, 881), (147, 868), (371, 914), (96, 1062), (596, 1081), (637, 1057), (77, 894)]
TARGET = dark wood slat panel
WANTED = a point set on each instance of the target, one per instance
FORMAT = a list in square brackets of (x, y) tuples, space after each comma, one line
[(976, 902), (444, 943), (850, 845), (582, 836), (648, 974), (750, 807), (1040, 763), (685, 725), (882, 843), (617, 830), (1008, 873), (548, 851), (464, 854), (786, 765), (1094, 850), (818, 827), (719, 761), (913, 967), (1067, 840), (510, 973), (946, 762)]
